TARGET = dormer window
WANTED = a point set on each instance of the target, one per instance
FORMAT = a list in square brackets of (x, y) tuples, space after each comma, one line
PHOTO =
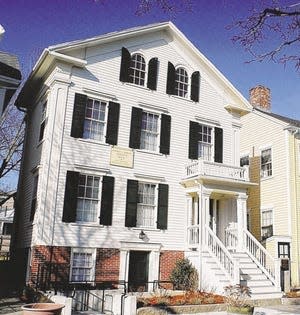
[(181, 82), (137, 71), (134, 69)]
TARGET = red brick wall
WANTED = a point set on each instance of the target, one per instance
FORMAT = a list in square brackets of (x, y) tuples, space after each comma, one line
[(107, 264), (168, 260)]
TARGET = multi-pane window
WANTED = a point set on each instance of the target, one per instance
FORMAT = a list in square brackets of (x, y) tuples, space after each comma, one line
[(137, 71), (266, 223), (43, 121), (149, 131), (88, 198), (266, 163), (283, 250), (82, 268), (94, 122), (146, 209), (205, 142), (181, 82), (34, 197), (244, 160)]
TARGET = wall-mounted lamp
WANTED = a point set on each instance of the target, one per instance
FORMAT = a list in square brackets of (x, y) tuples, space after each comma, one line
[(142, 235)]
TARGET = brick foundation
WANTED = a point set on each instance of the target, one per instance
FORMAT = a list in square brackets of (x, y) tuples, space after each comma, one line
[(107, 264), (167, 263)]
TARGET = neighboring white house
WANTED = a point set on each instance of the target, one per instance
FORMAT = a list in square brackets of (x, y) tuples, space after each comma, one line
[(131, 161)]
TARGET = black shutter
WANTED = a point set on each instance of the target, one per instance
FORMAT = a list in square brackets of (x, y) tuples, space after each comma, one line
[(218, 145), (193, 140), (162, 212), (78, 115), (171, 79), (195, 84), (107, 198), (125, 65), (131, 202), (135, 128), (165, 132), (70, 201), (113, 123), (152, 74)]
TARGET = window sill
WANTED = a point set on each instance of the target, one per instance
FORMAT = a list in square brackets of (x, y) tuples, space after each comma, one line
[(87, 224), (182, 98), (262, 179), (146, 229), (143, 87), (149, 152), (93, 141)]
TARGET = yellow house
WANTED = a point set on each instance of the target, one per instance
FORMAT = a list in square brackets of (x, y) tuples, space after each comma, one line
[(270, 144)]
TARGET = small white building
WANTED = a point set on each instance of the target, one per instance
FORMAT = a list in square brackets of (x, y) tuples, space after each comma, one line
[(131, 162)]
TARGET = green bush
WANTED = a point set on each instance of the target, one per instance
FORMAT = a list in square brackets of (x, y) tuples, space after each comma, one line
[(184, 275)]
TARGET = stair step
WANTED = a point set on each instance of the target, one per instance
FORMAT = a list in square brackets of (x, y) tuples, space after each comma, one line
[(266, 295), (262, 289)]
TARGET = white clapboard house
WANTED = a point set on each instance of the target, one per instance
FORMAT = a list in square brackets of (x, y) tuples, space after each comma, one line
[(131, 162)]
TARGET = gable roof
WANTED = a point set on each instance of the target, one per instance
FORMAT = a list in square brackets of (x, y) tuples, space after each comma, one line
[(59, 52), (9, 66), (290, 121)]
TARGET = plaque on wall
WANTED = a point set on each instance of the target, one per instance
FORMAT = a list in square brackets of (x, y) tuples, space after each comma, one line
[(121, 157)]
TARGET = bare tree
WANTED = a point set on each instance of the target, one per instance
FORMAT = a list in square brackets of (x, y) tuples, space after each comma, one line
[(275, 22)]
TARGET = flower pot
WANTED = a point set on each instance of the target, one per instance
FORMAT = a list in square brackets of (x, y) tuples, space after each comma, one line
[(42, 309)]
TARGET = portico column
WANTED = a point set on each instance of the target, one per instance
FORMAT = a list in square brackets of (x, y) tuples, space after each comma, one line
[(241, 208), (204, 214)]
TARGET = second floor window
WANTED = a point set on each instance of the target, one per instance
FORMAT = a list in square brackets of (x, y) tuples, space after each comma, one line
[(266, 163), (94, 123), (149, 131), (137, 71), (205, 143), (43, 121), (88, 198), (146, 208), (244, 160), (266, 223), (34, 197), (181, 82)]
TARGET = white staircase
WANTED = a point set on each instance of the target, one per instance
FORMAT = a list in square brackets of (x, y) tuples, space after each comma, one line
[(252, 266)]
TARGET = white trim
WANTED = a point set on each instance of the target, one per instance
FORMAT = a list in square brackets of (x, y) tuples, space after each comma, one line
[(153, 108), (93, 170), (155, 247), (149, 178), (94, 93), (207, 121), (75, 61), (288, 180)]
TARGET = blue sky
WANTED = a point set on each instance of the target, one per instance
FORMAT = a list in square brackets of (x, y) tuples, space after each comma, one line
[(32, 25)]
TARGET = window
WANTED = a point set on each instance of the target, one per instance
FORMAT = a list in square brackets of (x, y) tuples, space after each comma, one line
[(266, 223), (146, 208), (205, 143), (82, 265), (181, 82), (266, 163), (133, 69), (94, 123), (7, 228), (146, 204), (137, 71), (88, 198), (34, 197), (43, 121), (283, 250), (244, 160), (95, 119), (149, 131)]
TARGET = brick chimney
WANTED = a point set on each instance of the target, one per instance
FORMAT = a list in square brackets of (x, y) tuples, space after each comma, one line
[(260, 96)]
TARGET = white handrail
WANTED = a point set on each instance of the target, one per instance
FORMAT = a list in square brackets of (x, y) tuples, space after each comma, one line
[(226, 262), (262, 258)]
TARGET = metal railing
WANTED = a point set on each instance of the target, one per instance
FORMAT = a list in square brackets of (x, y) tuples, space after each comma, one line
[(268, 265), (201, 167)]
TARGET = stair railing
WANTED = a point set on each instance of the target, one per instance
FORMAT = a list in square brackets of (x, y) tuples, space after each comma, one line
[(228, 264), (268, 265)]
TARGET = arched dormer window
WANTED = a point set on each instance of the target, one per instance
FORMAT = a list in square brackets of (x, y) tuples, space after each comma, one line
[(137, 71), (133, 69), (181, 82)]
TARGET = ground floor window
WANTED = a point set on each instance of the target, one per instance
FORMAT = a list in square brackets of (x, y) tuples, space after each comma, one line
[(283, 250), (82, 265)]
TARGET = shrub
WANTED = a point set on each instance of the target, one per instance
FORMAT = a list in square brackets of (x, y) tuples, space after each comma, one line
[(184, 275)]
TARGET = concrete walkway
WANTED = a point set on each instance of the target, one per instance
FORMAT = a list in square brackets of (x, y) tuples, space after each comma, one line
[(10, 305)]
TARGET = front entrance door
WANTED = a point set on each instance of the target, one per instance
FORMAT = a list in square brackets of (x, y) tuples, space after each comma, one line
[(138, 271)]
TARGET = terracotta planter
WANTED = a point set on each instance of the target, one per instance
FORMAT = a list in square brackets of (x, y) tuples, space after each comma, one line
[(42, 309)]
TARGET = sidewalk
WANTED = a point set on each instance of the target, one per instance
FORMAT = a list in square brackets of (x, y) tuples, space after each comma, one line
[(10, 305)]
